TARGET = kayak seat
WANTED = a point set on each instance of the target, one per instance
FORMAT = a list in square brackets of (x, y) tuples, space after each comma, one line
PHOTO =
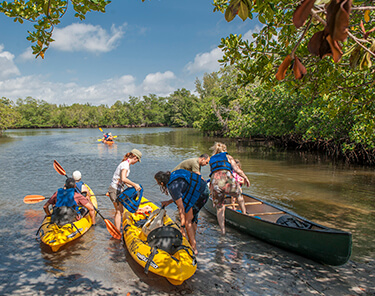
[(83, 211)]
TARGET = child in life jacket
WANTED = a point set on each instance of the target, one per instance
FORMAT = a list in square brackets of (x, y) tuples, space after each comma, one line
[(238, 180)]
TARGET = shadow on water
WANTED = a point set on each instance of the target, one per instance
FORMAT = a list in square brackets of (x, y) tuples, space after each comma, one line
[(30, 270)]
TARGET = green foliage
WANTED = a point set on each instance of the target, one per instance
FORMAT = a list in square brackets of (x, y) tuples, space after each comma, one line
[(256, 110), (46, 14), (8, 116), (182, 109), (179, 109)]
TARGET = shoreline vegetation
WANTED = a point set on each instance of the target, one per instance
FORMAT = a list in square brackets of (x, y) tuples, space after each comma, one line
[(222, 108)]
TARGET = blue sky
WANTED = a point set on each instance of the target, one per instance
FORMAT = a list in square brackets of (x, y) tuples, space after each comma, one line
[(134, 49)]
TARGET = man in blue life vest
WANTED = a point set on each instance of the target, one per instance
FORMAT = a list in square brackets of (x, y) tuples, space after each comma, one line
[(189, 191), (68, 199), (193, 165)]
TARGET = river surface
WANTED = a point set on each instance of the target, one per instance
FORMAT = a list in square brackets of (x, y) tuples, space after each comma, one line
[(333, 194)]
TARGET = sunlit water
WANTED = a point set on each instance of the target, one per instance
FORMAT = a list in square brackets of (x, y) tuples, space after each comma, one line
[(331, 194)]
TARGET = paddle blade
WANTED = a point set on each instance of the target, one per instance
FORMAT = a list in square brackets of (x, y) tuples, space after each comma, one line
[(114, 136), (112, 229), (32, 199), (99, 140), (59, 168), (100, 129)]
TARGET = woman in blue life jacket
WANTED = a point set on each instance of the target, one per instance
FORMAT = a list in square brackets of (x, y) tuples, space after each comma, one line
[(223, 183), (190, 192), (120, 179), (80, 186), (69, 198)]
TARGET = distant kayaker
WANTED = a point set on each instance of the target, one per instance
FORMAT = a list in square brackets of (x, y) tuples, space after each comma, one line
[(66, 201), (80, 186), (107, 137), (190, 192), (223, 183), (120, 179)]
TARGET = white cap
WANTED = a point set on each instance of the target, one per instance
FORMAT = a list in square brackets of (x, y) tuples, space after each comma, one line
[(77, 175)]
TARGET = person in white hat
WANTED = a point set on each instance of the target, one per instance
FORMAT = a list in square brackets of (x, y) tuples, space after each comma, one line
[(77, 176), (120, 179)]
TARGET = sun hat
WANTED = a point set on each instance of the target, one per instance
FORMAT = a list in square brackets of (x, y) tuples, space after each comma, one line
[(137, 153), (77, 175)]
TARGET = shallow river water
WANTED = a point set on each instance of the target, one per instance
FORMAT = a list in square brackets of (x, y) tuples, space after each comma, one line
[(332, 194)]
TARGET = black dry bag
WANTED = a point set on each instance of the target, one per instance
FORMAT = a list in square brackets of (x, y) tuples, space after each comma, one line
[(165, 238), (288, 220)]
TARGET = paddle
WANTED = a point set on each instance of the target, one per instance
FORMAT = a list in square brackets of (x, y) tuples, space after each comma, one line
[(110, 227), (34, 198), (101, 129)]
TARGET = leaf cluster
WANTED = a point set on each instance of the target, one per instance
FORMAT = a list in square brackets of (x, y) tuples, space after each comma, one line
[(45, 15), (259, 59)]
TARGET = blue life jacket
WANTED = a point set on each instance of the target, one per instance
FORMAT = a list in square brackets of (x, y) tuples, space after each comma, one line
[(219, 162), (131, 198), (79, 186), (192, 193), (65, 198)]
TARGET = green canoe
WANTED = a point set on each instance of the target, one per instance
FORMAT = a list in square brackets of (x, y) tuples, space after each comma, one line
[(289, 231)]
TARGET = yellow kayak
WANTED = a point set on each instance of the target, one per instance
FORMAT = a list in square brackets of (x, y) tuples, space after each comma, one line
[(56, 237), (176, 267)]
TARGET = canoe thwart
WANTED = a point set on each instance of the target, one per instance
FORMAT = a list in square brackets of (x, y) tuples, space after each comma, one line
[(269, 213), (246, 203)]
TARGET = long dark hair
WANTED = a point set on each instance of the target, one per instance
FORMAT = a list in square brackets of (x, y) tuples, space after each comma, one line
[(163, 177)]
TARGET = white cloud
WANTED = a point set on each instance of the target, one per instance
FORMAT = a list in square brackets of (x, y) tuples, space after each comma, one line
[(86, 37), (7, 66), (158, 83), (27, 55), (205, 62), (105, 92)]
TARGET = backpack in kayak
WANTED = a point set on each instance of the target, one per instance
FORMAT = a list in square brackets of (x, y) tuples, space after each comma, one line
[(288, 220), (63, 215), (130, 199), (166, 238)]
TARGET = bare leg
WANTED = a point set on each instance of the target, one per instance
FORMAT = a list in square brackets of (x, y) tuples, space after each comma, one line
[(241, 202), (190, 231), (195, 227), (118, 215), (232, 201), (92, 212), (220, 213)]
